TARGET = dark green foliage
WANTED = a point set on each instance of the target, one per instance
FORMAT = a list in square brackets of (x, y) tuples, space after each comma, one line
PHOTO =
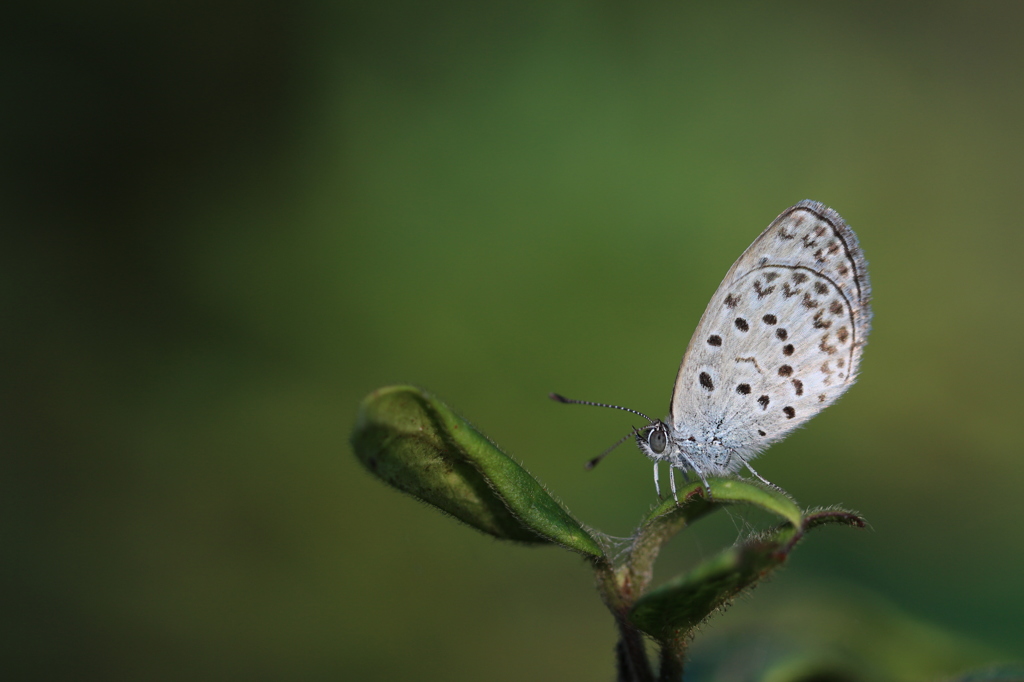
[(415, 443)]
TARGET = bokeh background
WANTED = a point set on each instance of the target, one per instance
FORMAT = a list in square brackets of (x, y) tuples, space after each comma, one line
[(224, 223)]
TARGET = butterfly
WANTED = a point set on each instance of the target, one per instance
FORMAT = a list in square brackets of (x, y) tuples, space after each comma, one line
[(780, 341)]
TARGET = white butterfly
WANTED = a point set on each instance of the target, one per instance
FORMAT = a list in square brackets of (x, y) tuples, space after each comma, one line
[(780, 340)]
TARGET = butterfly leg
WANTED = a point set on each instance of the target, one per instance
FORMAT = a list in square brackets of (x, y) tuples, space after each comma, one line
[(657, 488), (700, 474), (672, 480), (707, 486), (762, 478)]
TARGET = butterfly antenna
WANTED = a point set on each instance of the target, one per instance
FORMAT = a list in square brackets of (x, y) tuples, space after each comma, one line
[(562, 399), (593, 463)]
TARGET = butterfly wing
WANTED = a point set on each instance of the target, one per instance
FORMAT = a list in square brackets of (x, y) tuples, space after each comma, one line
[(782, 337)]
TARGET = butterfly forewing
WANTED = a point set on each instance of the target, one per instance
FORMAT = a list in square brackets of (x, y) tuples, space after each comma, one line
[(781, 338)]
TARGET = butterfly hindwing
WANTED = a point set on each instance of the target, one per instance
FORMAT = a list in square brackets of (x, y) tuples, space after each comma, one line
[(781, 338)]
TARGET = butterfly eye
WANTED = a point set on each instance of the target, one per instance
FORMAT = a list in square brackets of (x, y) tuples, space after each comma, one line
[(656, 439)]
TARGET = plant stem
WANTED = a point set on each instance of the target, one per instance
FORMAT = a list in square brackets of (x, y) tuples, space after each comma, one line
[(632, 656), (617, 594), (673, 654)]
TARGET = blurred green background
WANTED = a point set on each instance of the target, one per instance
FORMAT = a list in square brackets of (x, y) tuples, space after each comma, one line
[(225, 223)]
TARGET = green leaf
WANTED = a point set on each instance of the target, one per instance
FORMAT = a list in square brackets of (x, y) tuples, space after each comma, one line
[(670, 517), (693, 503), (682, 603), (670, 611), (414, 442)]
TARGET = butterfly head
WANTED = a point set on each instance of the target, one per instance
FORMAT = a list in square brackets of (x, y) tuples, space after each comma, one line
[(654, 440)]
